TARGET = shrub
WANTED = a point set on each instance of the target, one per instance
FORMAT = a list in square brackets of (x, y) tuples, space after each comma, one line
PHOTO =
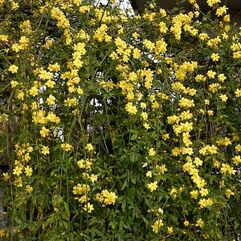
[(119, 126)]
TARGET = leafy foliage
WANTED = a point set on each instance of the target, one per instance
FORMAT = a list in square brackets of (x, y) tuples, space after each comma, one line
[(118, 126)]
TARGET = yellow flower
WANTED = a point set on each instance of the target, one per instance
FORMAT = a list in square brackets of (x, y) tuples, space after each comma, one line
[(162, 12), (44, 131), (151, 152), (194, 194), (206, 150), (50, 84), (229, 193), (148, 44), (85, 164), (200, 78), (81, 189), (212, 2), (109, 197), (163, 27), (199, 223), (28, 171), (54, 67), (62, 21), (3, 37), (13, 83), (211, 74), (39, 117), (238, 93), (48, 43), (215, 57), (226, 18), (53, 118), (71, 102), (210, 112), (176, 151), (29, 188), (18, 170), (101, 34), (156, 226), (83, 199), (221, 11), (13, 69), (161, 46), (24, 41), (186, 223), (169, 230), (203, 36), (20, 95), (165, 136), (45, 150), (152, 186), (45, 75), (135, 35), (80, 91), (25, 26), (173, 192), (84, 9), (33, 91), (50, 100), (130, 108), (136, 53), (178, 86), (149, 174), (88, 207), (186, 103), (6, 176), (223, 98), (161, 169), (89, 147), (226, 169), (67, 147), (238, 148), (205, 202), (214, 42), (203, 192), (197, 161), (224, 142), (14, 5), (144, 115), (146, 126), (222, 77), (79, 49), (106, 197), (93, 178), (236, 160), (18, 182)]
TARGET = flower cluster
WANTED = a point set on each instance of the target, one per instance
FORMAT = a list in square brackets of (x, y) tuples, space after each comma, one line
[(22, 170)]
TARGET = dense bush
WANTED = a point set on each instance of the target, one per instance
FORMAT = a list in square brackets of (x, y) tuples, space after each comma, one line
[(117, 126)]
